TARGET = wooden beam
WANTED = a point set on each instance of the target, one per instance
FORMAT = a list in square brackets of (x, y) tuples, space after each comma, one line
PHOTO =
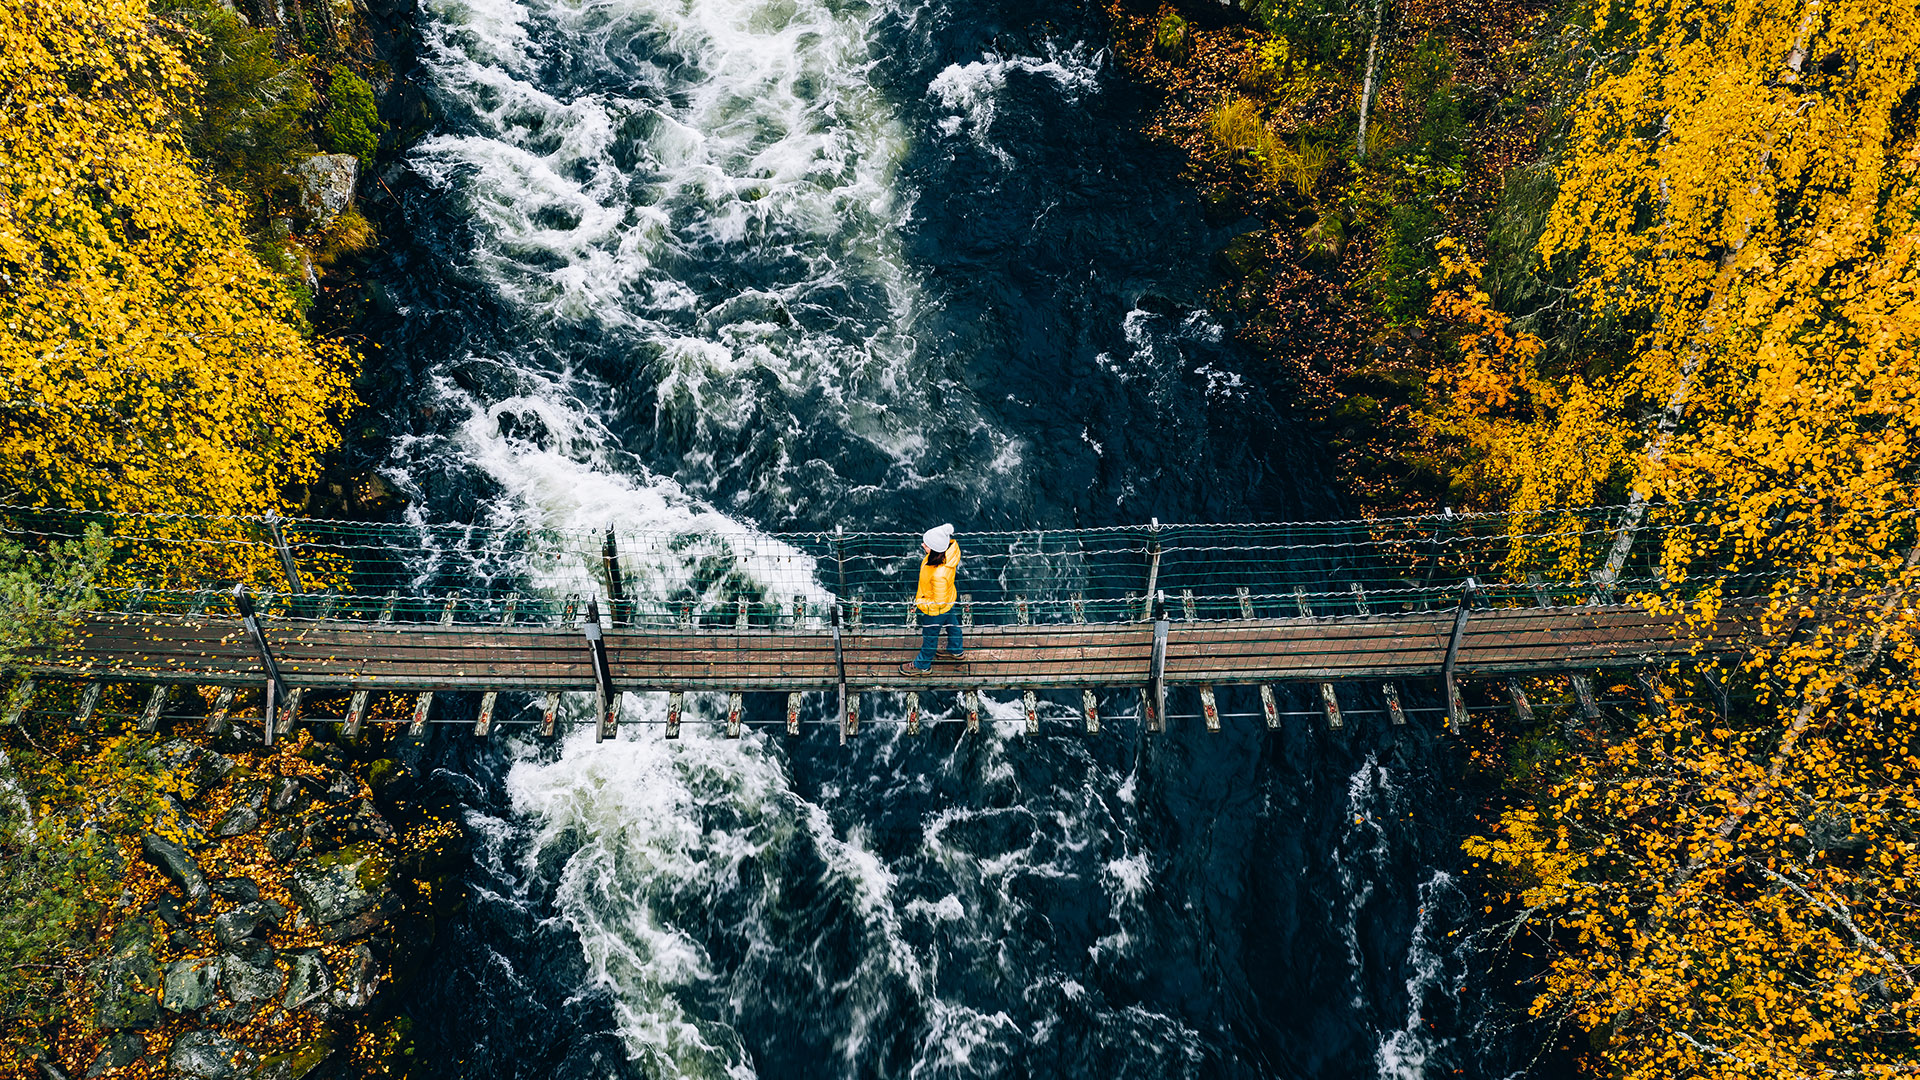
[(1157, 673), (156, 703), (423, 705), (603, 699), (1330, 705), (676, 703), (1091, 708), (1397, 714), (483, 726), (548, 714), (1209, 709), (17, 701), (222, 705), (357, 708), (970, 700), (1031, 705), (1269, 707), (1456, 708), (1153, 569), (913, 712), (735, 702), (1522, 708), (853, 713), (793, 713)]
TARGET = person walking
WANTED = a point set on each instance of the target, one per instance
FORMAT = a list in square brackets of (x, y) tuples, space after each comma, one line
[(938, 565)]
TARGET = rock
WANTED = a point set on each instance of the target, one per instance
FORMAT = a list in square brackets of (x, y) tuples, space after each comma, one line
[(240, 924), (295, 1064), (238, 889), (309, 983), (172, 821), (359, 982), (123, 1049), (237, 821), (336, 826), (194, 766), (202, 1055), (364, 923), (174, 861), (326, 186), (129, 979), (282, 844), (167, 906), (289, 794), (251, 975), (339, 787), (339, 884), (191, 985)]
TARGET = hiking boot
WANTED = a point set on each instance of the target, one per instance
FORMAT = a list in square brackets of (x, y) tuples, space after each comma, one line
[(943, 654), (908, 669)]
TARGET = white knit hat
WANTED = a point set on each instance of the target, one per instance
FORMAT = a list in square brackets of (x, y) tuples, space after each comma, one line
[(938, 537)]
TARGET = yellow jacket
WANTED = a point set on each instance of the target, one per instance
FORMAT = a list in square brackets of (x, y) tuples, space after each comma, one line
[(936, 595)]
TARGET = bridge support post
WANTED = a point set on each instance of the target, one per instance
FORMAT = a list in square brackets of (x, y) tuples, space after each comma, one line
[(793, 713), (274, 681), (616, 587), (1456, 707), (1157, 670), (286, 559), (1031, 705), (1394, 711), (1091, 708), (1153, 569), (853, 712), (1269, 707), (735, 702), (549, 713), (1210, 709), (156, 703), (970, 701), (840, 670), (602, 673), (676, 704), (913, 712)]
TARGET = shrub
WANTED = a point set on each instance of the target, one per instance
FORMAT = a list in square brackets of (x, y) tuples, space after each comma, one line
[(352, 124)]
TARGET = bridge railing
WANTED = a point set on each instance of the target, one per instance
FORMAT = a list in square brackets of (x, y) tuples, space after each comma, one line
[(722, 575)]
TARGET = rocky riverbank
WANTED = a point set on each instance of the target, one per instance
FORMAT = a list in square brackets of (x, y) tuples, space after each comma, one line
[(254, 912)]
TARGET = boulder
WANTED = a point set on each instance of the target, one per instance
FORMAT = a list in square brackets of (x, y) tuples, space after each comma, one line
[(326, 186), (123, 1048), (289, 794), (129, 979), (195, 767), (174, 861), (172, 821), (238, 889), (251, 975), (359, 982), (340, 884), (309, 983), (297, 1063), (237, 821), (336, 826), (283, 845), (240, 924), (191, 985), (203, 1055)]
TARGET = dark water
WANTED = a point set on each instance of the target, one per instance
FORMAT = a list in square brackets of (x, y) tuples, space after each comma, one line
[(798, 265)]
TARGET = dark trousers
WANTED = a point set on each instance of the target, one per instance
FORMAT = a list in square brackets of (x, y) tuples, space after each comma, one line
[(930, 637)]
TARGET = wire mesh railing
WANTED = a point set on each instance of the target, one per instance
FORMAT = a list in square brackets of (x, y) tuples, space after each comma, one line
[(730, 576)]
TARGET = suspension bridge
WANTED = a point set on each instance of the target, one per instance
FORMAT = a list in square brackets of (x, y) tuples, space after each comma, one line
[(270, 622)]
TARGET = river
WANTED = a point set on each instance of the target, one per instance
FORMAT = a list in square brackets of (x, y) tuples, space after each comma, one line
[(787, 264)]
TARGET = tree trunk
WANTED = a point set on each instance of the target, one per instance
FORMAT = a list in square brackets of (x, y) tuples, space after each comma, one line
[(1366, 85)]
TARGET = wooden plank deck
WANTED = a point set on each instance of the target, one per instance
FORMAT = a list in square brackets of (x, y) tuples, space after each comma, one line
[(415, 658)]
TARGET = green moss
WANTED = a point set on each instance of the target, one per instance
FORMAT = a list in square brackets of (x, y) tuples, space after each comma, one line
[(1171, 41)]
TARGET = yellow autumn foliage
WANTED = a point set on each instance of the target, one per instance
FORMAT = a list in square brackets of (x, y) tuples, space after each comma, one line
[(148, 360), (1742, 181)]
